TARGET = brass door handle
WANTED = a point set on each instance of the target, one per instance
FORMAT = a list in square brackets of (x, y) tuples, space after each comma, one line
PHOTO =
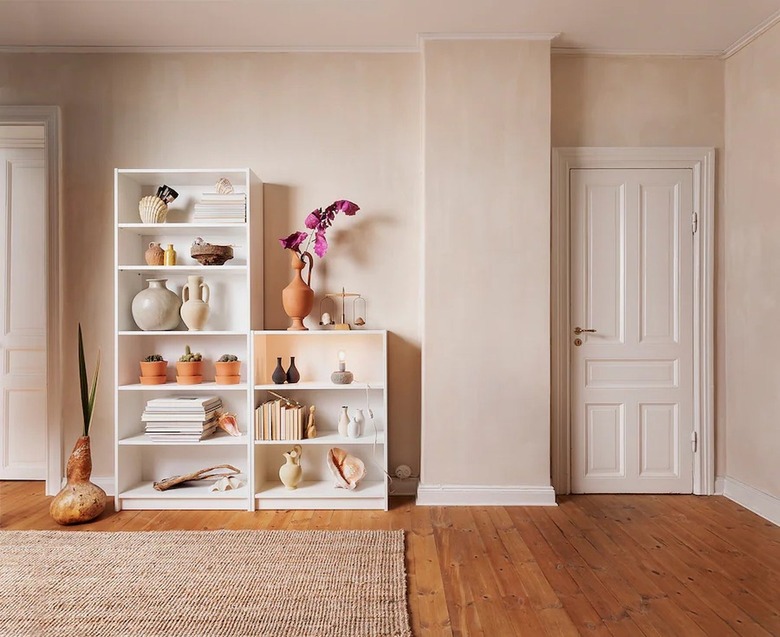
[(579, 330)]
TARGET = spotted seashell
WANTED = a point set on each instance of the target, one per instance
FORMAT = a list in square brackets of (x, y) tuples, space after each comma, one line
[(346, 468), (152, 209), (224, 187)]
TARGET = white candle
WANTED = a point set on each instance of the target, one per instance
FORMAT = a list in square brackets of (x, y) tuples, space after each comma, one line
[(342, 360)]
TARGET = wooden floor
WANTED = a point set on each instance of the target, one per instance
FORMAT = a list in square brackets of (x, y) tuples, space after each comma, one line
[(595, 565)]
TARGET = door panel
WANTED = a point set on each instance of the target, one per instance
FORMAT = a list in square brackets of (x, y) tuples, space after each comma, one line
[(23, 399), (632, 380)]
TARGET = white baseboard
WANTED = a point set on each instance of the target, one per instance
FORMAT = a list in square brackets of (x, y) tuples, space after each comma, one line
[(404, 487), (760, 503), (478, 495), (720, 483), (104, 482)]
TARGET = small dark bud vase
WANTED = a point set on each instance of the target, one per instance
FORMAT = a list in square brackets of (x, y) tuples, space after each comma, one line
[(293, 375), (279, 376)]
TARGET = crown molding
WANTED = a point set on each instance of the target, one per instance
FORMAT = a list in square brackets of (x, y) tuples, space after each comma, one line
[(751, 35), (209, 49), (548, 37), (633, 53)]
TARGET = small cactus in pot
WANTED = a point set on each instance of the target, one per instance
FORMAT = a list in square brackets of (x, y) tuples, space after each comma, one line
[(153, 370), (228, 370), (189, 367)]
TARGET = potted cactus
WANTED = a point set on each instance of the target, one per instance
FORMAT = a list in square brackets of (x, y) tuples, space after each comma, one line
[(153, 370), (228, 370), (189, 367)]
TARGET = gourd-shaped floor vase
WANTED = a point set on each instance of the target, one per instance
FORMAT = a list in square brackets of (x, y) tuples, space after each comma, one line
[(80, 500), (195, 309)]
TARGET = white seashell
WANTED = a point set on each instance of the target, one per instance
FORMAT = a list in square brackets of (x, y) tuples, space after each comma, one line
[(346, 468), (227, 483), (152, 209), (224, 187)]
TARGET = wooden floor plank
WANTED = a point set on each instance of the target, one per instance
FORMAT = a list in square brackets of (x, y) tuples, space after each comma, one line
[(597, 565)]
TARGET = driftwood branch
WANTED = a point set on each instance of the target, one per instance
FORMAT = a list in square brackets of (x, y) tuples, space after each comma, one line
[(203, 474)]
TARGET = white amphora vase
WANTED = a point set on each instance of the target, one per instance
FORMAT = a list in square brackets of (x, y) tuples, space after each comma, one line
[(195, 309)]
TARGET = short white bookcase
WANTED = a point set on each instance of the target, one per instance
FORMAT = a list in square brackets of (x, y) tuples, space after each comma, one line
[(316, 356), (235, 309)]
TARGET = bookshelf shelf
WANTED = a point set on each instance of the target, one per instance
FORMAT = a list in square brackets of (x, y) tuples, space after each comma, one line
[(218, 439), (209, 387), (330, 440), (321, 385)]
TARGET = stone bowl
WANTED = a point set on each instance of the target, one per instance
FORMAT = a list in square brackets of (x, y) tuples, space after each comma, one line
[(207, 254)]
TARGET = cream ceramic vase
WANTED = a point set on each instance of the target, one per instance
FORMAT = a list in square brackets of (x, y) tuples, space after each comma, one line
[(156, 307), (344, 422), (291, 472), (195, 309)]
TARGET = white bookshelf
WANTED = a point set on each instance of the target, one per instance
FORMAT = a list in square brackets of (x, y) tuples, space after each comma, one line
[(316, 356), (235, 309)]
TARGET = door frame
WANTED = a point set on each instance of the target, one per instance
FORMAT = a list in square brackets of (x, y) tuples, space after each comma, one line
[(49, 118), (701, 161)]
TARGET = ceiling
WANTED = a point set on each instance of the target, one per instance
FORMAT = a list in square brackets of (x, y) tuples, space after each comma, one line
[(703, 27)]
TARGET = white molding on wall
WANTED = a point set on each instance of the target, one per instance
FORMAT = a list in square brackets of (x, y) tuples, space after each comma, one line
[(751, 35), (720, 483), (49, 117), (487, 36), (755, 500), (478, 495), (595, 52), (702, 162), (210, 49)]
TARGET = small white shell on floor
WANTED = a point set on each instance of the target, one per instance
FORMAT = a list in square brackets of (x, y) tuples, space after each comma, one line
[(224, 187), (346, 468)]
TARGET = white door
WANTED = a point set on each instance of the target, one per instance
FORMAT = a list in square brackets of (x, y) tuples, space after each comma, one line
[(632, 376), (22, 314)]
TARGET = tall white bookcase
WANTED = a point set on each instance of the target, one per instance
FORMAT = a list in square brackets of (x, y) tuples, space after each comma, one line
[(235, 309)]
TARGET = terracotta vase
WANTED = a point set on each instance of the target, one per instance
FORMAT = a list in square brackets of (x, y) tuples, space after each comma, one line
[(298, 297), (80, 500)]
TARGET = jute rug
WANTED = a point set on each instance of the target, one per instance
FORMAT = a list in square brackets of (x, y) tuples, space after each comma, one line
[(203, 584)]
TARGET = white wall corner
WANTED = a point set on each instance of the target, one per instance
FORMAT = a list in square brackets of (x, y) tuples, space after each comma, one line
[(720, 482), (479, 495), (404, 487), (759, 502)]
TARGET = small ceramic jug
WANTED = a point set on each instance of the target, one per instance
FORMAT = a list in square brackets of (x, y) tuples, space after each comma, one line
[(360, 419), (353, 430), (291, 472), (154, 255)]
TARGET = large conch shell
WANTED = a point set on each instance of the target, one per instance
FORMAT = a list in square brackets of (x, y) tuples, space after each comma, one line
[(346, 468), (152, 209)]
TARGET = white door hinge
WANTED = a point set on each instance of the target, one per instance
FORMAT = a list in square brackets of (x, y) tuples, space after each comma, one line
[(694, 441), (695, 222)]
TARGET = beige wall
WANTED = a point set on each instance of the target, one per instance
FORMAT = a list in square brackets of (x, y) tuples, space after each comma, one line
[(649, 101), (486, 387), (314, 127), (752, 264)]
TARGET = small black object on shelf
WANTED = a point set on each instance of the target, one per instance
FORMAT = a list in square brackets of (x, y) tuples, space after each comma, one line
[(293, 375), (279, 375)]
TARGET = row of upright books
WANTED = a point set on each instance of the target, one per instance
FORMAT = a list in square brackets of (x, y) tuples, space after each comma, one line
[(218, 208), (181, 418), (279, 420)]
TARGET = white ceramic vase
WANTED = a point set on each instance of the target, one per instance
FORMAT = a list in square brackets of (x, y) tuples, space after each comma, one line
[(195, 309), (291, 472), (156, 307), (344, 422), (360, 419)]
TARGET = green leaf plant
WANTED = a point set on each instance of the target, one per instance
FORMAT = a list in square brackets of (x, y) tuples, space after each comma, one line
[(87, 394)]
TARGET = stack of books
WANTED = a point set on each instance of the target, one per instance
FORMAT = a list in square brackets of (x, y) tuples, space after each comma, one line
[(280, 420), (181, 418), (217, 208)]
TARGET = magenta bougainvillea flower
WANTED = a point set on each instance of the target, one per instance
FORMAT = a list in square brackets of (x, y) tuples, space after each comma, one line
[(318, 221)]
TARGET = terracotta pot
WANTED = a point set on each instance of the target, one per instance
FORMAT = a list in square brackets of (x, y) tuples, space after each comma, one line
[(80, 500), (227, 380), (189, 380), (228, 368), (192, 369), (154, 255), (298, 297), (154, 368), (153, 380)]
